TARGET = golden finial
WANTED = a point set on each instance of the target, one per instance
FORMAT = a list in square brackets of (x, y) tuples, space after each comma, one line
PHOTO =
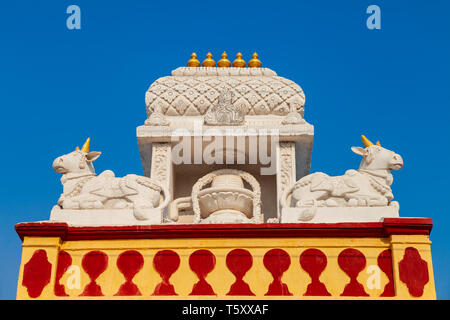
[(86, 145), (208, 62), (366, 141), (254, 63), (239, 62), (378, 143), (224, 62), (77, 148), (193, 62)]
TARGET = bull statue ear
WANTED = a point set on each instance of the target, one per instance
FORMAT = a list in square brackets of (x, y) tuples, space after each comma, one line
[(359, 150), (92, 156)]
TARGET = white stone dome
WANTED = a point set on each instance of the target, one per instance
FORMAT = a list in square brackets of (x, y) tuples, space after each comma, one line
[(190, 91)]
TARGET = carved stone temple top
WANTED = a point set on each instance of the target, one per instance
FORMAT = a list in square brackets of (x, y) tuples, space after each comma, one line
[(225, 145), (191, 91)]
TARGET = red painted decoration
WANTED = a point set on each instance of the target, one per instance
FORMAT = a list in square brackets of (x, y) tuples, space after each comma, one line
[(413, 271), (314, 262), (165, 262), (385, 263), (239, 261), (274, 230), (36, 273), (64, 262), (202, 262), (129, 263), (352, 262), (94, 263), (277, 261)]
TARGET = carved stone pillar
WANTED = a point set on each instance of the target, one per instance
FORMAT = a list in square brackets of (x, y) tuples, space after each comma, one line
[(286, 169), (162, 167)]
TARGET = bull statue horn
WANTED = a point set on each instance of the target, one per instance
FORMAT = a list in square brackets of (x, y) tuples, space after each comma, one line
[(366, 141), (86, 145), (378, 143)]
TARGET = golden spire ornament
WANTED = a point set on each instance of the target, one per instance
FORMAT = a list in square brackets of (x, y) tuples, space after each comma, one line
[(239, 62), (254, 63), (208, 62), (86, 145), (224, 62), (193, 62)]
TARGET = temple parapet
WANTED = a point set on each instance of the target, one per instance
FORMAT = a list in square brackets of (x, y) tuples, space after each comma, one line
[(381, 260)]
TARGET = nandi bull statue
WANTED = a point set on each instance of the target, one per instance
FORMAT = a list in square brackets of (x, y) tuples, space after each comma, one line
[(369, 186), (83, 189)]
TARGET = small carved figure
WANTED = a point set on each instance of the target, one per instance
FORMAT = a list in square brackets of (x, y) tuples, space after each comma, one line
[(83, 189), (224, 113), (294, 116), (157, 118), (367, 186)]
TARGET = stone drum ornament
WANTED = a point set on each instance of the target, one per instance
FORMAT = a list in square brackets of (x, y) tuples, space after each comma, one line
[(227, 201)]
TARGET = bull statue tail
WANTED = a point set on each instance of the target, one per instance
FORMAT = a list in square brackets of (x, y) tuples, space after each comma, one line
[(143, 212)]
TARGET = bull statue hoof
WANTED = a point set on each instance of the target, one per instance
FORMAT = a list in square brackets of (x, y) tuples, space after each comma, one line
[(138, 198), (358, 195)]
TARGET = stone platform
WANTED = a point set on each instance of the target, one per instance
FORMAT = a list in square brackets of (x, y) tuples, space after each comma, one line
[(338, 214)]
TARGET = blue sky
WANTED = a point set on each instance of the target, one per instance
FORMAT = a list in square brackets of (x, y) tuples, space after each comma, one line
[(58, 86)]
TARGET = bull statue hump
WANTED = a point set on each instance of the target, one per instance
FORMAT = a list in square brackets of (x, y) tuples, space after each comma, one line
[(369, 186), (83, 189)]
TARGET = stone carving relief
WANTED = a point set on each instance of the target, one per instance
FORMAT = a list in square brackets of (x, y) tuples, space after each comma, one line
[(157, 118), (295, 115), (369, 186), (214, 71), (161, 162), (83, 189), (254, 94), (287, 165), (224, 113)]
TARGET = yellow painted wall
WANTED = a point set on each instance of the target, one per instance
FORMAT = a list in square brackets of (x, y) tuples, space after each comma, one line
[(221, 278)]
